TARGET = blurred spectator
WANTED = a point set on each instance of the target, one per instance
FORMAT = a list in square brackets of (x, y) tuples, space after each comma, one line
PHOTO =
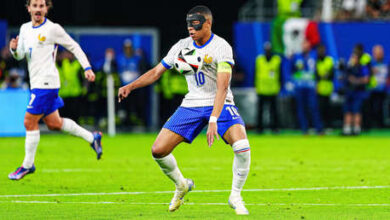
[(72, 85), (130, 67), (364, 59), (304, 67), (6, 63), (14, 80), (356, 80), (97, 91), (378, 85), (325, 87), (377, 8), (352, 10), (373, 8), (173, 87), (268, 79)]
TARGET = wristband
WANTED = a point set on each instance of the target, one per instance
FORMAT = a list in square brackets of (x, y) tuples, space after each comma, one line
[(213, 119)]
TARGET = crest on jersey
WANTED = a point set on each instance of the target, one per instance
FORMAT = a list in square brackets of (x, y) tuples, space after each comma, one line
[(41, 39), (207, 59)]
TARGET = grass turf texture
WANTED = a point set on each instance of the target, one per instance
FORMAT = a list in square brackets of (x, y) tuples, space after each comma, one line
[(66, 165)]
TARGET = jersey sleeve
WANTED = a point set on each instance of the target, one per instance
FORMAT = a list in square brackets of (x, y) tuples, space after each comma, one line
[(168, 60), (62, 38), (225, 54), (19, 53)]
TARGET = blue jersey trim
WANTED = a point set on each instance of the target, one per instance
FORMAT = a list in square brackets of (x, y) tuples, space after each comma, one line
[(88, 68), (165, 64), (40, 24), (200, 47), (232, 64)]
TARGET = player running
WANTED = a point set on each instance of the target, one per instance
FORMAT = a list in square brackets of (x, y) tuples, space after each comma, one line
[(209, 101), (37, 42)]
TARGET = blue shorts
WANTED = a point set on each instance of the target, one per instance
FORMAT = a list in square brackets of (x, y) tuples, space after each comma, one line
[(353, 102), (189, 122), (44, 101)]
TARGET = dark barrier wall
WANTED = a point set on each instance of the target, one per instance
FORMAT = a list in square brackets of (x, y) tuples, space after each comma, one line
[(338, 37)]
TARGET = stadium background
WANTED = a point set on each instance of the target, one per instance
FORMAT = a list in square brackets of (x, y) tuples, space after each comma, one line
[(242, 23), (292, 176)]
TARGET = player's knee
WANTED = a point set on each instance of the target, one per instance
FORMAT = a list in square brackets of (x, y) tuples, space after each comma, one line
[(54, 125), (158, 151), (29, 124), (241, 146)]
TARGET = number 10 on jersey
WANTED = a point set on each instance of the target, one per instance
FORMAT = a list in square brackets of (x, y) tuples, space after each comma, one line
[(199, 78)]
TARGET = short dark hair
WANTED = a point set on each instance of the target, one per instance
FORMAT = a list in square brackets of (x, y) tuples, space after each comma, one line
[(359, 47), (201, 9), (49, 3)]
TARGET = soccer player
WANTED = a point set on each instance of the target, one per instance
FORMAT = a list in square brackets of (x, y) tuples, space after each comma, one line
[(209, 101), (37, 42)]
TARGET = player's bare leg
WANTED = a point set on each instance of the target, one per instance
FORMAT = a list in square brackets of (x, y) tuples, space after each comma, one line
[(236, 137), (31, 144), (164, 144), (56, 123), (357, 120), (347, 127)]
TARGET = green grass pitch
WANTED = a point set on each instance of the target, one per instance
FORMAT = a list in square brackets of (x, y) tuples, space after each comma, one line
[(292, 177)]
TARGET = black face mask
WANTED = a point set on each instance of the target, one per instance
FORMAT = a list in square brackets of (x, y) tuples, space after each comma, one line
[(195, 17)]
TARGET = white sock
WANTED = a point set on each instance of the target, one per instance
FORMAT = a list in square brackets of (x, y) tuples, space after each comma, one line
[(30, 146), (357, 129), (241, 164), (169, 166), (347, 129), (73, 128)]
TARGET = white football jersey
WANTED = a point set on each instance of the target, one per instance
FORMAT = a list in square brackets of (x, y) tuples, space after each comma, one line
[(39, 45), (202, 86)]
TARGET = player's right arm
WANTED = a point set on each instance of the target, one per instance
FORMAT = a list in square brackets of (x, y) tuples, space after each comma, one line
[(146, 79), (16, 46), (152, 75)]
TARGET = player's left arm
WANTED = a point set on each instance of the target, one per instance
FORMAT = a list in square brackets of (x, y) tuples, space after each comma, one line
[(62, 38), (224, 74)]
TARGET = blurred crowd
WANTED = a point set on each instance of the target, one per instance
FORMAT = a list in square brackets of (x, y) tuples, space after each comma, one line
[(363, 9), (320, 91), (341, 10), (323, 88), (13, 74)]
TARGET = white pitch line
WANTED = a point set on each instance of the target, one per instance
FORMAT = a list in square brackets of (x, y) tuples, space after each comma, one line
[(206, 204), (76, 170), (203, 191)]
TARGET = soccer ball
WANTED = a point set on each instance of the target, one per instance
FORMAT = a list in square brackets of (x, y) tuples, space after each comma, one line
[(188, 61)]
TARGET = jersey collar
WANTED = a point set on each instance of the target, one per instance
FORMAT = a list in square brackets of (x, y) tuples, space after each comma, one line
[(40, 24), (209, 40)]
